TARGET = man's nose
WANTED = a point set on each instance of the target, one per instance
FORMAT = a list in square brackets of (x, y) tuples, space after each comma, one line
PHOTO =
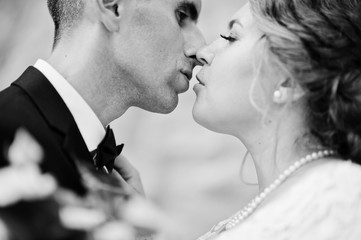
[(194, 42)]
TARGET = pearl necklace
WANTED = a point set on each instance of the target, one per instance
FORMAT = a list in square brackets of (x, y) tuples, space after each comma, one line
[(241, 215)]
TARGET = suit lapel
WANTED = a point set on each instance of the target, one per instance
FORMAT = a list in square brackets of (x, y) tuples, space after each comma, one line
[(56, 114), (46, 98)]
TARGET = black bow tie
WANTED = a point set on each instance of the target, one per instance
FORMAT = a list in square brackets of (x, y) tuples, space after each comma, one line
[(106, 152)]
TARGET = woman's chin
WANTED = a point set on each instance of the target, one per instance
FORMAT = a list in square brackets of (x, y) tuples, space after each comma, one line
[(199, 117), (206, 121)]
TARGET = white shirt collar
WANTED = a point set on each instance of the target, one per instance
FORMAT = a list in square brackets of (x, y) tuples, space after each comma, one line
[(88, 123)]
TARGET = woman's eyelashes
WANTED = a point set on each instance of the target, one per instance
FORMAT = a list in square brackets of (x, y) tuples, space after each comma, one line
[(229, 38)]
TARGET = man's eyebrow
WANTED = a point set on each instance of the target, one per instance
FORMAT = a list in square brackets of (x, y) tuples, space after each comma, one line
[(232, 22), (190, 8)]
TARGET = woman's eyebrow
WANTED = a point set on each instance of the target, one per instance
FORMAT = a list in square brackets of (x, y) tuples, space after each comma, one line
[(233, 21)]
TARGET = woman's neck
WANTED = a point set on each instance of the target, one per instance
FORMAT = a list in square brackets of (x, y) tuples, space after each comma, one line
[(274, 148)]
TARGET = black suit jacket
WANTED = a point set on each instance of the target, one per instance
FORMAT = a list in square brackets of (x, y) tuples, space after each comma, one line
[(32, 102)]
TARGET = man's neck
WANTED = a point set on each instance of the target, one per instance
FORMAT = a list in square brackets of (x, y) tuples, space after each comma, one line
[(77, 64)]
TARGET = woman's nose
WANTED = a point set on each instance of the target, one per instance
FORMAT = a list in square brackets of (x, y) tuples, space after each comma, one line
[(205, 55)]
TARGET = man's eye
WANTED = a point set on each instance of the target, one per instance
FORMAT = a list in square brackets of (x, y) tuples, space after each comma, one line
[(228, 38), (181, 17)]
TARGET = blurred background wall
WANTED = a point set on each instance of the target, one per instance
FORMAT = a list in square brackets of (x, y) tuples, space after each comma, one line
[(189, 172)]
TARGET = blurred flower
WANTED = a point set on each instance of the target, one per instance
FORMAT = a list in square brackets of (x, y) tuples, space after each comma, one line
[(26, 200), (26, 183), (23, 155), (116, 230), (81, 218), (24, 150), (30, 199), (150, 220), (3, 231)]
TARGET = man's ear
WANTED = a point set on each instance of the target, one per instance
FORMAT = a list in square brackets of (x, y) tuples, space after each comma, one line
[(288, 91), (111, 12)]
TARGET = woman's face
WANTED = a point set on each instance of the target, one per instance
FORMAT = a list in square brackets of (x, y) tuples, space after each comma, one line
[(223, 101)]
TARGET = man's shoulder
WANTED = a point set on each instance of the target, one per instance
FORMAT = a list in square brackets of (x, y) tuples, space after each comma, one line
[(17, 110), (13, 98), (20, 103)]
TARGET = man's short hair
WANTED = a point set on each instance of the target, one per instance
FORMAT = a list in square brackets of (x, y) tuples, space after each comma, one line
[(65, 14)]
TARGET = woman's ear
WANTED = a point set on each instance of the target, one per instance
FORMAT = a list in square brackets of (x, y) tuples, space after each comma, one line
[(111, 12), (288, 92)]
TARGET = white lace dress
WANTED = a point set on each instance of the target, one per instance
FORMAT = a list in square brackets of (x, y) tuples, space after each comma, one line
[(325, 204)]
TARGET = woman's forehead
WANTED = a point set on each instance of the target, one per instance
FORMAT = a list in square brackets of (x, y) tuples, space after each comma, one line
[(243, 16)]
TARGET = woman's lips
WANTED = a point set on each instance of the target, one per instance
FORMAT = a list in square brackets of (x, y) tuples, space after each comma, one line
[(198, 86), (199, 80)]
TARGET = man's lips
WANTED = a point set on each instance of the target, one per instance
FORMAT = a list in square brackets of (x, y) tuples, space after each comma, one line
[(188, 74)]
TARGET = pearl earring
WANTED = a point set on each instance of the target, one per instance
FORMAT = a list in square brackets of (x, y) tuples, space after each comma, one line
[(277, 94)]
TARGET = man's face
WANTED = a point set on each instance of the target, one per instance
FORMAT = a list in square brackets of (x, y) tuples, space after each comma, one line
[(155, 51)]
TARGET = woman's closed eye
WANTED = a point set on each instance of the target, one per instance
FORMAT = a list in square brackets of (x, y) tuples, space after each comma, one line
[(229, 38)]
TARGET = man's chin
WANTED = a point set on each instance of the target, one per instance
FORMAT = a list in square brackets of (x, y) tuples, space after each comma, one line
[(161, 107)]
